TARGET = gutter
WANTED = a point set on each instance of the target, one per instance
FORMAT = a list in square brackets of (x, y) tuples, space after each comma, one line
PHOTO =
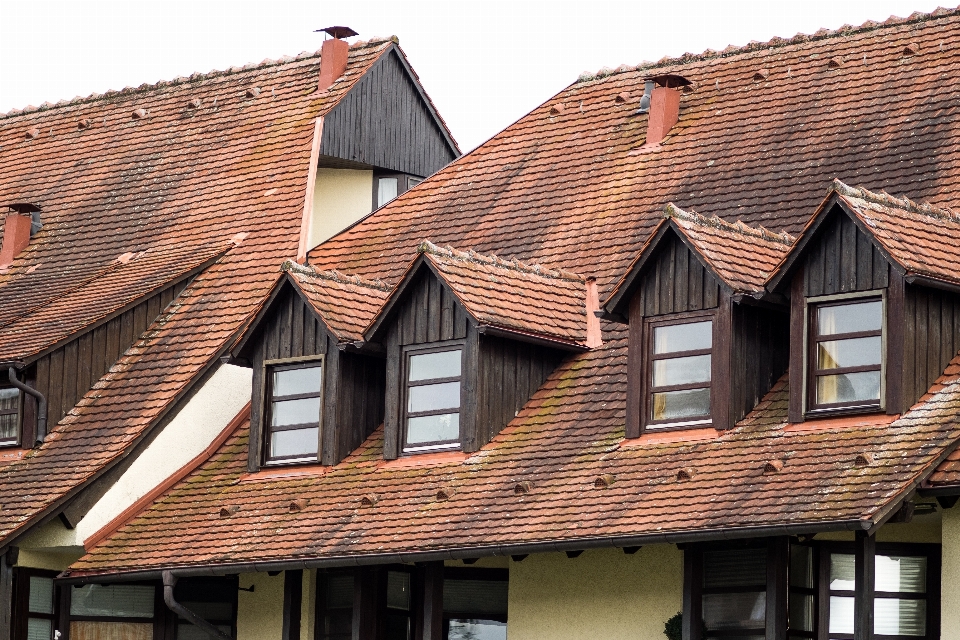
[(41, 401), (169, 582), (575, 544)]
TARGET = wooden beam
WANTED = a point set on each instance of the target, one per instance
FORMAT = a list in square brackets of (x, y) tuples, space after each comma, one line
[(369, 599), (864, 553), (797, 375), (692, 597), (292, 603), (433, 601), (7, 560), (778, 558)]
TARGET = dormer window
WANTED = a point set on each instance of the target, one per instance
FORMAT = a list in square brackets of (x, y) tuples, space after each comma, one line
[(9, 416), (293, 426), (847, 354), (680, 372), (433, 398)]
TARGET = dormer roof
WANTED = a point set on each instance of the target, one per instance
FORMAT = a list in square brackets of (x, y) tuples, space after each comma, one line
[(528, 301), (741, 258)]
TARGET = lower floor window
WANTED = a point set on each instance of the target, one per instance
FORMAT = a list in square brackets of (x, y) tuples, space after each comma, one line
[(475, 604)]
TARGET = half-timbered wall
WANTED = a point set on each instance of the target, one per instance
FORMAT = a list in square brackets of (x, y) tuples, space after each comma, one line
[(931, 338), (384, 122), (843, 260), (352, 383), (676, 282)]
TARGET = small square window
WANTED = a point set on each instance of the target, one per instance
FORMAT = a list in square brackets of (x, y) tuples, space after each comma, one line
[(432, 399), (9, 416), (387, 190), (846, 358), (292, 427), (679, 372)]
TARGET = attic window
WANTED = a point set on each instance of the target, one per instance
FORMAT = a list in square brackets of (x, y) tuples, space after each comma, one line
[(387, 190), (846, 358), (679, 372), (432, 397), (292, 430), (9, 416)]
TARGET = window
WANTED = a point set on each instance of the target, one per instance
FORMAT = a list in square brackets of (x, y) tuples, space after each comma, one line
[(9, 416), (432, 398), (387, 190), (475, 603), (679, 373), (846, 357), (112, 611), (735, 593), (292, 430), (803, 592), (335, 606), (34, 605), (399, 606), (213, 599)]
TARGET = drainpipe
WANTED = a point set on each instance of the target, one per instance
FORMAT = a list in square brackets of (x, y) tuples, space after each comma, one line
[(41, 404), (169, 582)]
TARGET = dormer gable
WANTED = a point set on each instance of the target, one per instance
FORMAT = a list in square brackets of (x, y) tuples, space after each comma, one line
[(862, 248), (315, 398), (706, 339), (478, 335)]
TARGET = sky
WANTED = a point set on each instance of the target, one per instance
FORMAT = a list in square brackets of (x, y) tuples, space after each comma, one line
[(484, 63)]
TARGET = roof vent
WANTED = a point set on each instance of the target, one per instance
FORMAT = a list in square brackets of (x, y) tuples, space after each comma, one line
[(664, 105), (835, 63), (226, 512), (32, 133), (522, 488), (369, 500), (773, 466), (604, 481), (761, 74), (296, 506), (445, 494), (139, 114), (556, 109), (253, 92), (195, 103), (22, 222), (622, 97), (911, 49), (84, 123), (333, 55), (863, 460), (686, 473)]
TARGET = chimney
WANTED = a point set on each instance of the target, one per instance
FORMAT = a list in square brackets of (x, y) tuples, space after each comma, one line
[(333, 55), (22, 222), (661, 99), (594, 335)]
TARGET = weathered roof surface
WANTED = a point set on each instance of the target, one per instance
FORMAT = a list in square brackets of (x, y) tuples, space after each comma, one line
[(345, 303), (510, 295), (181, 175), (568, 436)]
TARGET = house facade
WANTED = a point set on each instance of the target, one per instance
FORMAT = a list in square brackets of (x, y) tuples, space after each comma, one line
[(662, 359)]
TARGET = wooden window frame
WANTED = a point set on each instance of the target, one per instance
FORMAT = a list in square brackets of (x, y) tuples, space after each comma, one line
[(405, 182), (18, 438), (932, 552), (159, 608), (647, 389), (21, 603), (421, 349), (282, 364), (479, 574), (812, 339)]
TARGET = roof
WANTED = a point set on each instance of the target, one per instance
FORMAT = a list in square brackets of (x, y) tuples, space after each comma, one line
[(574, 188), (126, 182), (528, 300)]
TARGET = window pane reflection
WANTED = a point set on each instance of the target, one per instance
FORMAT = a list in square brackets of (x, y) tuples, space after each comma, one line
[(681, 370), (849, 318), (289, 382), (841, 614), (848, 387), (386, 190), (440, 428), (801, 612), (683, 337), (899, 617), (681, 404), (427, 366), (305, 411), (855, 352), (294, 442), (901, 573), (734, 610), (430, 397)]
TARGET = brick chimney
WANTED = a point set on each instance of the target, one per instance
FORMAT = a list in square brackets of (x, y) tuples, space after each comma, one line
[(17, 229), (663, 96), (333, 55)]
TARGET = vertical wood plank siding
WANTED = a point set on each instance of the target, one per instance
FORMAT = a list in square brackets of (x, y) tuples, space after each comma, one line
[(676, 282), (931, 338), (66, 374), (383, 121), (843, 260), (761, 352)]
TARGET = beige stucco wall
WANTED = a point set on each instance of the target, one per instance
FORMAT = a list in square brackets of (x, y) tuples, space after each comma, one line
[(604, 595), (950, 576), (340, 198), (53, 561), (260, 614)]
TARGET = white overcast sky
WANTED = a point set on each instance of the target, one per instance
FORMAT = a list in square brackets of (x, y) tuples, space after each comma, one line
[(484, 63)]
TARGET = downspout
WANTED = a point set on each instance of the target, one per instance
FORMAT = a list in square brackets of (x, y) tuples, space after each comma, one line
[(169, 582), (41, 404)]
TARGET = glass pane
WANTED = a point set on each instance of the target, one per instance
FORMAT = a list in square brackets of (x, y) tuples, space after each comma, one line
[(398, 590), (833, 354), (337, 625), (9, 401), (841, 614), (801, 612), (735, 568), (294, 442), (386, 190), (427, 366), (681, 404), (210, 611), (8, 398), (900, 617), (842, 571), (291, 382), (441, 428), (117, 601), (801, 566), (475, 597), (683, 337), (39, 629), (847, 318), (434, 396), (681, 370), (734, 610), (8, 426), (397, 626), (304, 411), (901, 573), (477, 630), (848, 387), (339, 591), (41, 595)]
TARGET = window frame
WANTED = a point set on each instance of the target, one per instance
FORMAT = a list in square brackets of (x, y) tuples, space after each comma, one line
[(650, 324), (285, 364), (811, 338), (18, 412), (405, 182), (21, 603), (422, 349)]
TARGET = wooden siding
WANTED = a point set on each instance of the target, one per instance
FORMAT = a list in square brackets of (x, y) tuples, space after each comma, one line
[(931, 339), (676, 281), (352, 383), (841, 259), (67, 373), (384, 122), (761, 339)]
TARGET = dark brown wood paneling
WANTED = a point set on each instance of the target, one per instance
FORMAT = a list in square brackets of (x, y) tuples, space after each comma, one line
[(384, 122), (676, 282), (931, 338), (797, 328), (841, 259), (761, 339)]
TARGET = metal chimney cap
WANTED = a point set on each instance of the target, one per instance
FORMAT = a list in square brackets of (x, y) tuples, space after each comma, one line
[(338, 32), (670, 81), (24, 207)]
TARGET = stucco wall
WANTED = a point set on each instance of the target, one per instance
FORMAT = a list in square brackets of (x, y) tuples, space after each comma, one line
[(340, 198), (54, 561), (603, 594), (260, 614), (950, 576)]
